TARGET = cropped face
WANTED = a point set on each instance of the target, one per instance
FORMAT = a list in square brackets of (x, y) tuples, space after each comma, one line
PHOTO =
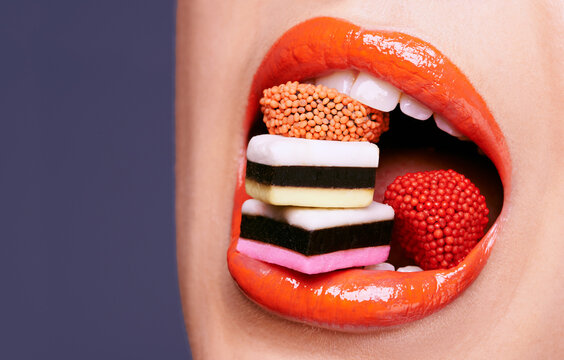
[(489, 76)]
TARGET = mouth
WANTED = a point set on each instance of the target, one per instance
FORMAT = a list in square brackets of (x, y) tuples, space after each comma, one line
[(334, 51)]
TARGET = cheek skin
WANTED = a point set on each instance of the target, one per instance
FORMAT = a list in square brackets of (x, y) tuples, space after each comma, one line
[(215, 65), (209, 109)]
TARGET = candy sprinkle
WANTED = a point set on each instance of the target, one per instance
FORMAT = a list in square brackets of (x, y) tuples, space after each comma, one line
[(318, 112)]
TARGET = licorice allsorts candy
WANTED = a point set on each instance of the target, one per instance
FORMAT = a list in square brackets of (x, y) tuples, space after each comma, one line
[(311, 173), (313, 240)]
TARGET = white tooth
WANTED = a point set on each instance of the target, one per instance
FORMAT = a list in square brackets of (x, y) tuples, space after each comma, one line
[(411, 107), (410, 268), (445, 126), (375, 93), (381, 266), (342, 81)]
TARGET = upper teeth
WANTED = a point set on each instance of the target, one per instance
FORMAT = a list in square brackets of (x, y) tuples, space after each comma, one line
[(375, 93), (382, 96), (414, 108), (340, 80), (445, 126)]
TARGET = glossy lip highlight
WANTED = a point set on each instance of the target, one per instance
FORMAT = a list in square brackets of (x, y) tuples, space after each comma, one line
[(357, 299)]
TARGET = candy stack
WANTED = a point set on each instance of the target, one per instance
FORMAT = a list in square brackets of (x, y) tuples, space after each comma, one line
[(312, 183), (312, 209)]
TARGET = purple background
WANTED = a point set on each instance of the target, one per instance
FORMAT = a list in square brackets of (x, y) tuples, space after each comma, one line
[(87, 257)]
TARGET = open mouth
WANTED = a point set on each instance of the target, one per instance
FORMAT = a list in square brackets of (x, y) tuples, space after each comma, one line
[(464, 137)]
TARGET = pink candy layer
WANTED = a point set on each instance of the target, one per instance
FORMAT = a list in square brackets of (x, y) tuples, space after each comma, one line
[(313, 264)]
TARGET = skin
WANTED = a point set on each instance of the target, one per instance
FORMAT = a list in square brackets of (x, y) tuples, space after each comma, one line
[(513, 55)]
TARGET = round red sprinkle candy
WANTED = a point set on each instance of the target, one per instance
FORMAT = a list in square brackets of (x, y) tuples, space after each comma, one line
[(445, 222), (318, 112)]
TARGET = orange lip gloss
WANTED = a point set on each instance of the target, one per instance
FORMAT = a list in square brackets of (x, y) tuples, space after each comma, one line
[(357, 299)]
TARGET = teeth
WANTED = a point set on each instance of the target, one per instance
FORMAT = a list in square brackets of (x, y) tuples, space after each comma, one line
[(445, 126), (374, 92), (342, 81), (382, 266), (389, 267), (410, 268), (411, 107), (382, 96)]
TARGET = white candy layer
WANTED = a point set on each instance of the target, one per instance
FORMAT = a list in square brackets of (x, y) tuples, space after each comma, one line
[(277, 150), (319, 218)]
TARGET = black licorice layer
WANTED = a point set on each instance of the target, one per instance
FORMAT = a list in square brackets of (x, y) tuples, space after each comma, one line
[(312, 176), (315, 242)]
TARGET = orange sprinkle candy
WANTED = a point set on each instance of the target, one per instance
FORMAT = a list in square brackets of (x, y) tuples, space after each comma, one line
[(318, 112)]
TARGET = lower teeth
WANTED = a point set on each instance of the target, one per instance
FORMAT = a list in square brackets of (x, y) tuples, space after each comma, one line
[(381, 267)]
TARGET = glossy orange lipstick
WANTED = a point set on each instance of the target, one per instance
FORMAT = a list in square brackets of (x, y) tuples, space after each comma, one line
[(357, 299)]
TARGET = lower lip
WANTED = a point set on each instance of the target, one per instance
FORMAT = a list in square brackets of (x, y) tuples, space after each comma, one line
[(356, 299), (353, 299)]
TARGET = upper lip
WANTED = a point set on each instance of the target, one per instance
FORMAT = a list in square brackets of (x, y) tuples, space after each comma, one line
[(358, 299)]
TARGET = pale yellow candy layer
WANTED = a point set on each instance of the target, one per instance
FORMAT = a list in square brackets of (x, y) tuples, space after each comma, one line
[(311, 197)]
